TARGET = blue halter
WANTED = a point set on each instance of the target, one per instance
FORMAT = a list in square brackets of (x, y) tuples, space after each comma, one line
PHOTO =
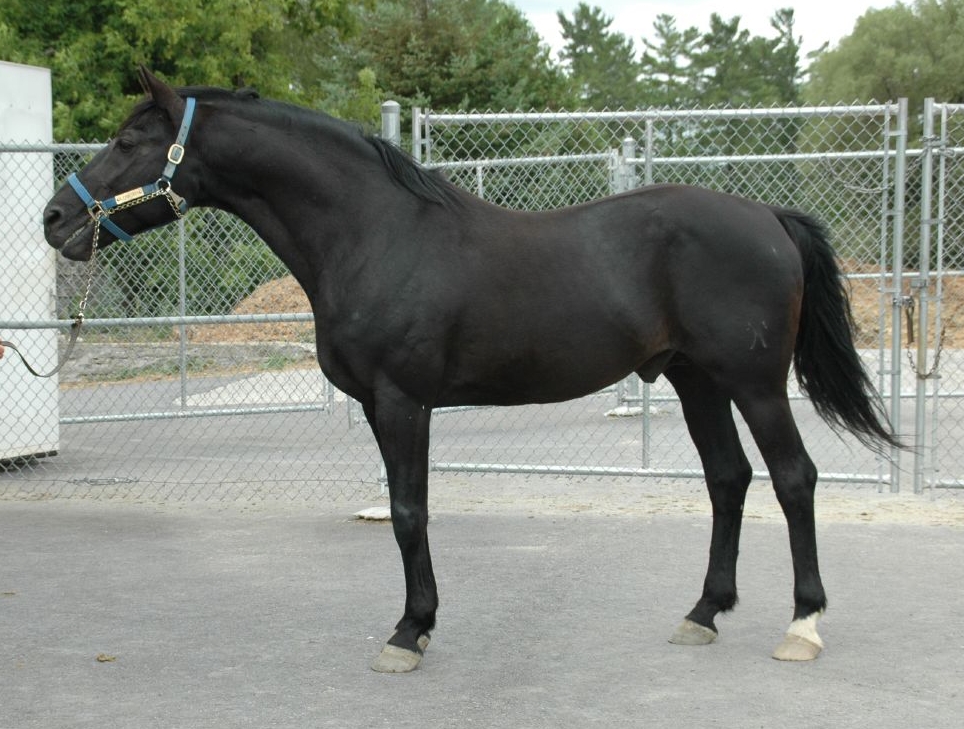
[(101, 210)]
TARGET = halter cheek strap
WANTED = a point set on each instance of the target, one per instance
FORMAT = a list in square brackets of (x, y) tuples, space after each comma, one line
[(101, 210)]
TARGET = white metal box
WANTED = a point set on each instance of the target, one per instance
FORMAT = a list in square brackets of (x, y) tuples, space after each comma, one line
[(29, 406)]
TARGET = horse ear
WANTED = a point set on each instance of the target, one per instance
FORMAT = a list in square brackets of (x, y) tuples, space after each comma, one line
[(162, 94)]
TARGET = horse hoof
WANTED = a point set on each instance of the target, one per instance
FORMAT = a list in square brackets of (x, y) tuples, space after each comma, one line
[(797, 648), (802, 642), (393, 659), (690, 633)]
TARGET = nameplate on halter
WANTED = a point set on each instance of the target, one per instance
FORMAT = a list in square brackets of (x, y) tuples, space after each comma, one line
[(126, 197)]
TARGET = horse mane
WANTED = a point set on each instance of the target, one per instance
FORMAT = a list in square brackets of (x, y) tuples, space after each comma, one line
[(425, 184)]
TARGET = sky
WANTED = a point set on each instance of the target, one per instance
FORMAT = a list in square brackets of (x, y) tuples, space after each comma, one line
[(817, 21)]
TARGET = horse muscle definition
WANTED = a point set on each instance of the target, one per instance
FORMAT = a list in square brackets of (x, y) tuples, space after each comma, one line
[(425, 296)]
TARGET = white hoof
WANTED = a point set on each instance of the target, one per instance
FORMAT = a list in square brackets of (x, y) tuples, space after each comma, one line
[(690, 633), (801, 643), (795, 648), (393, 659)]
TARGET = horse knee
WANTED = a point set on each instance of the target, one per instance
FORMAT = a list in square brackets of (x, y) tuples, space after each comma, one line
[(410, 526)]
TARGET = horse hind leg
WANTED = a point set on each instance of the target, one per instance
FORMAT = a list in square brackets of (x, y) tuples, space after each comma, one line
[(709, 418), (794, 478)]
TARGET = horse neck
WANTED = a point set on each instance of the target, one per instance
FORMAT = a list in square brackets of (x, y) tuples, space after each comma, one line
[(307, 197)]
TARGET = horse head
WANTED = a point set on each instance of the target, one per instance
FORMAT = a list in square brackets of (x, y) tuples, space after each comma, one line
[(128, 187)]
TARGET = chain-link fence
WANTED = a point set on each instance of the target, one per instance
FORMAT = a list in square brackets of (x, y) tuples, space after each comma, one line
[(195, 377), (934, 358), (845, 164)]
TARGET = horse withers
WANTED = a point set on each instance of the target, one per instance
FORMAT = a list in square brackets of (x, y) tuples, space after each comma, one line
[(426, 296)]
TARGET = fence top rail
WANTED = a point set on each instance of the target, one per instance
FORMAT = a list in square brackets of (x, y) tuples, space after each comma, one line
[(475, 164), (77, 147), (520, 161), (953, 108), (159, 321), (789, 157), (441, 119)]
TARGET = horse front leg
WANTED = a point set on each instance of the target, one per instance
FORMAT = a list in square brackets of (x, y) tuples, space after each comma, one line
[(401, 429)]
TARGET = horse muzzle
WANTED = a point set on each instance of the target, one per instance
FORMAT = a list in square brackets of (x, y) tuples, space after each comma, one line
[(74, 243)]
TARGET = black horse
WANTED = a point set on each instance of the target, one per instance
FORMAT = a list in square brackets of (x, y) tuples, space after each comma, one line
[(426, 296)]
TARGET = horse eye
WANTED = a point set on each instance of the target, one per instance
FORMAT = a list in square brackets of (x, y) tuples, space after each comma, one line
[(125, 144)]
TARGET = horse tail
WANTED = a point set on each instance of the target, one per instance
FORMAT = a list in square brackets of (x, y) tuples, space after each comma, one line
[(827, 365)]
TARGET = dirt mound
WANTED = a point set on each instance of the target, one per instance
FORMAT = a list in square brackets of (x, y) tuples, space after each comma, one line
[(865, 301), (280, 296)]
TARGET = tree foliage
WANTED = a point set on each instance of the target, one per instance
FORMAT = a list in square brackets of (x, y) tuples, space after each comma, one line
[(348, 55), (457, 54), (93, 48), (602, 66), (736, 69), (912, 51), (725, 65), (666, 64)]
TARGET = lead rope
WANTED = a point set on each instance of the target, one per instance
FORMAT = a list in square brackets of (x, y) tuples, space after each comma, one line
[(78, 318)]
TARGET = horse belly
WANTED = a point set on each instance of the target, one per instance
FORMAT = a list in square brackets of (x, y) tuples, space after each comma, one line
[(541, 366)]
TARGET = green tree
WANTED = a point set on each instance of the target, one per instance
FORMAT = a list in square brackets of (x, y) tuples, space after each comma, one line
[(93, 48), (908, 50), (447, 54), (666, 64), (912, 51), (732, 65), (782, 59), (724, 66), (601, 63)]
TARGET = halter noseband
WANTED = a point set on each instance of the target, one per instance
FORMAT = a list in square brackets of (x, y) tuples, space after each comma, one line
[(101, 210)]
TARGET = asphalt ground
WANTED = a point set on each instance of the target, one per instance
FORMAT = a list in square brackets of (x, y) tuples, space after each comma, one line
[(554, 614)]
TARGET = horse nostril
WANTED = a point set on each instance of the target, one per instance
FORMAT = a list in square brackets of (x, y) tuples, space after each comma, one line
[(51, 216)]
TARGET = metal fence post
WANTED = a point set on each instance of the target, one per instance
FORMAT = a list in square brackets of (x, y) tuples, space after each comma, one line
[(416, 134), (622, 171), (630, 181), (943, 144), (922, 286), (392, 122), (629, 398), (648, 156), (615, 175), (629, 167), (182, 306), (897, 301)]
